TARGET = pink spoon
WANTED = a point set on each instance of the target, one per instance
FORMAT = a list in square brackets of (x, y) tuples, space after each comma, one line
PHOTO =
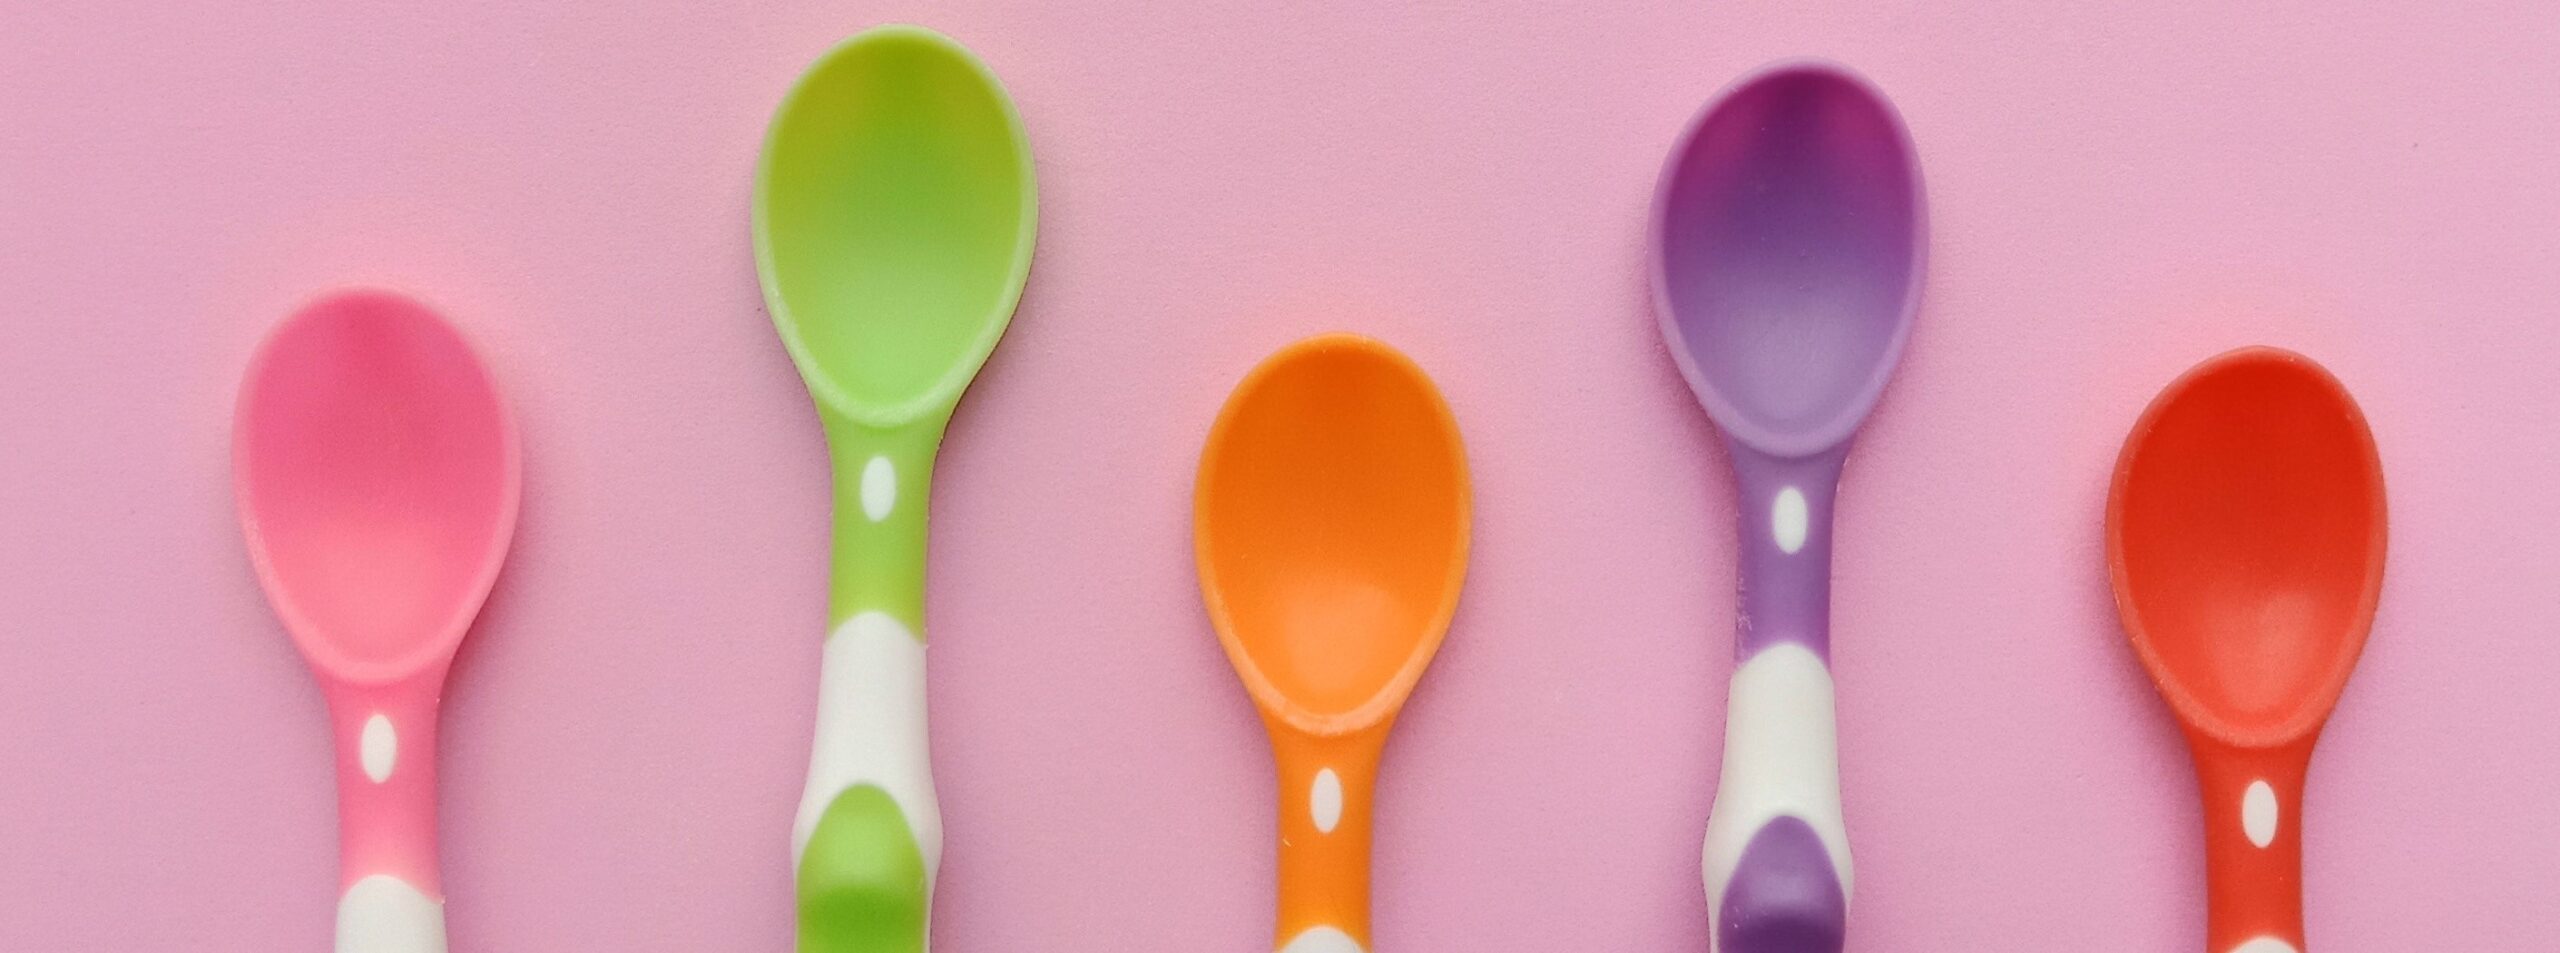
[(376, 473)]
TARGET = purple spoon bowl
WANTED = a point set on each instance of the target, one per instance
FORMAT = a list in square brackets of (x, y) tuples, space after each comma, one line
[(1788, 242)]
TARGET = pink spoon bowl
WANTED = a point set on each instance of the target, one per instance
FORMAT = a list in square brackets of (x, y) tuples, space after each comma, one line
[(377, 477)]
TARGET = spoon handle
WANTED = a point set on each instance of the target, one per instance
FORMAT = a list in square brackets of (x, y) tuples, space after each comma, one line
[(2252, 844), (868, 838), (1325, 806), (386, 741), (1777, 853)]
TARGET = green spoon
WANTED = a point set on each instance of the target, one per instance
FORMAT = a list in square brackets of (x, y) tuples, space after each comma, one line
[(894, 214)]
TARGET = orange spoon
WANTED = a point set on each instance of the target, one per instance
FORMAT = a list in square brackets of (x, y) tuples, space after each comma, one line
[(2245, 536), (1330, 525)]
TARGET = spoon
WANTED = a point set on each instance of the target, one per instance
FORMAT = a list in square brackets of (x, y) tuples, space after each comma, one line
[(376, 474), (1330, 528), (1788, 240), (2245, 539), (894, 213)]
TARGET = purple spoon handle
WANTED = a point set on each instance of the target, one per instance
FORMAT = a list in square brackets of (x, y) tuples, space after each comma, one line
[(1777, 855)]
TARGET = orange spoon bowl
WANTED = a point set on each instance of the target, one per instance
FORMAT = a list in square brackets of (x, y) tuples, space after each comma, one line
[(1330, 523), (2245, 538)]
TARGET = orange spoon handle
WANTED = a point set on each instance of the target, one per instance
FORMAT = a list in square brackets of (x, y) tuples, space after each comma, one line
[(2252, 844), (1325, 787)]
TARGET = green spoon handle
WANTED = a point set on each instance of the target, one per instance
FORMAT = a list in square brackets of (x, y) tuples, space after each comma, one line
[(868, 838)]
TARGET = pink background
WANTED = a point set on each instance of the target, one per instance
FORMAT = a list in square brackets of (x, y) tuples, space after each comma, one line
[(2116, 195)]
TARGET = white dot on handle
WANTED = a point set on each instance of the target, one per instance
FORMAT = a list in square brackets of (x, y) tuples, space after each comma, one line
[(378, 748), (2258, 813), (879, 488), (1787, 520), (1324, 800)]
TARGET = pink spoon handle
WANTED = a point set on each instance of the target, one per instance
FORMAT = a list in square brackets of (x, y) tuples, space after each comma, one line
[(386, 740)]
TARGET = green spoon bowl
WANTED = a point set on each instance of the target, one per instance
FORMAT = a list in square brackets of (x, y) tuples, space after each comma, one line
[(894, 216)]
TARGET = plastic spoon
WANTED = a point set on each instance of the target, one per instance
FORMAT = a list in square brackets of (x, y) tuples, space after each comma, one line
[(1330, 526), (1788, 245), (894, 213), (2245, 539), (376, 474)]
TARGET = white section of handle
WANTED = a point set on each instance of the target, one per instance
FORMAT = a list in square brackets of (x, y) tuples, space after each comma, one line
[(383, 914), (1322, 940), (1781, 759), (2265, 944), (871, 729)]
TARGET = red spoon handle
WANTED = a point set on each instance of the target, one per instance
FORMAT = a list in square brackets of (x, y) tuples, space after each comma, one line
[(2252, 845)]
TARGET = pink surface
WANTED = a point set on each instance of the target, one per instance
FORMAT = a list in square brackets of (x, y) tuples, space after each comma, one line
[(2115, 195)]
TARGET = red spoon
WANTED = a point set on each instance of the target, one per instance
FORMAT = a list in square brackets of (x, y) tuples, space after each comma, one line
[(2245, 536)]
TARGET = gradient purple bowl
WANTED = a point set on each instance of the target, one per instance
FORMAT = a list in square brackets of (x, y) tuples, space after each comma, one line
[(1788, 239)]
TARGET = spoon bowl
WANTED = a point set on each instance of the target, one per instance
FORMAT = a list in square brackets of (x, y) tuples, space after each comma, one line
[(1788, 242), (377, 477), (894, 212), (1330, 524), (377, 483), (2245, 538), (1332, 530), (2246, 532)]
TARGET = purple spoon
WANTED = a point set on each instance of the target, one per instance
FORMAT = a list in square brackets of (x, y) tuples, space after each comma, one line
[(1788, 240)]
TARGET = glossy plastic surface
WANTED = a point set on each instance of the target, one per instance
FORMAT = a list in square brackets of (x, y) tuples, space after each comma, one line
[(895, 210), (1789, 238), (376, 475), (2245, 533)]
